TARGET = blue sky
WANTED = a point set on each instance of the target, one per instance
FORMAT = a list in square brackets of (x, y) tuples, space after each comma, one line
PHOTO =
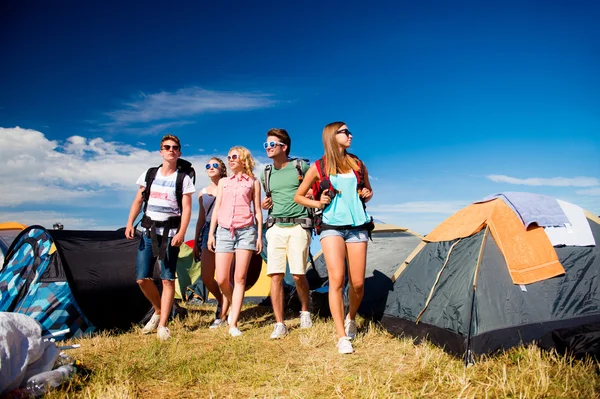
[(448, 101)]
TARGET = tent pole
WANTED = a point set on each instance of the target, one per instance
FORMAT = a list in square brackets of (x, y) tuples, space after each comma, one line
[(468, 355)]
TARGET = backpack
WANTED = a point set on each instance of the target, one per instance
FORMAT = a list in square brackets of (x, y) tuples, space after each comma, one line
[(304, 222), (323, 183), (183, 168)]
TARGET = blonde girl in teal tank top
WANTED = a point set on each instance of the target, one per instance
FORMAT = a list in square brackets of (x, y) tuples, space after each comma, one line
[(344, 236)]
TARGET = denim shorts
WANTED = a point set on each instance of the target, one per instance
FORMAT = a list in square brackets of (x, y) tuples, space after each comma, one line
[(146, 260), (349, 235), (243, 238)]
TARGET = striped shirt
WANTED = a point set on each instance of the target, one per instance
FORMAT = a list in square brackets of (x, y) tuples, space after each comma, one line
[(162, 203)]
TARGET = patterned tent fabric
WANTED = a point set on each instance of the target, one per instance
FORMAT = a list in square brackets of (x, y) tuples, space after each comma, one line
[(33, 282)]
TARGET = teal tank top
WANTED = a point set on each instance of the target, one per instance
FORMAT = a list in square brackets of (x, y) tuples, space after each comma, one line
[(346, 208)]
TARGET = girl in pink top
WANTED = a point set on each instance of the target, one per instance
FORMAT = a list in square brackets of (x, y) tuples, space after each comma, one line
[(239, 216)]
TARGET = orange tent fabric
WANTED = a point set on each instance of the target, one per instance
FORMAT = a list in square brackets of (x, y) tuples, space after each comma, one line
[(529, 255), (12, 226)]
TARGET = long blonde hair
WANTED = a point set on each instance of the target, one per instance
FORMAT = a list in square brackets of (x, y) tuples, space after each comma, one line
[(245, 159), (336, 162)]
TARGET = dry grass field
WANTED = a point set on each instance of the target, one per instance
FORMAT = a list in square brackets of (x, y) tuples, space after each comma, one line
[(202, 363)]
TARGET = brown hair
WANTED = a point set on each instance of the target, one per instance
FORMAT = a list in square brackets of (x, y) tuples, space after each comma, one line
[(334, 160), (283, 136), (221, 166), (170, 137)]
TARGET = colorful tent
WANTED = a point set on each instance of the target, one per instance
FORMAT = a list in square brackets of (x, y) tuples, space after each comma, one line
[(188, 270), (481, 282), (80, 281)]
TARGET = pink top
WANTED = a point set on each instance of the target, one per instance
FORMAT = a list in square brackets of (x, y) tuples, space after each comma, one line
[(235, 211)]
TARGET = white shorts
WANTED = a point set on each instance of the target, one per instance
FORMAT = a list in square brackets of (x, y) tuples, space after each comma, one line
[(287, 245)]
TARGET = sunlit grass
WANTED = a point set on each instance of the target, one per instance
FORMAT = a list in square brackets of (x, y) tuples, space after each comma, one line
[(198, 362)]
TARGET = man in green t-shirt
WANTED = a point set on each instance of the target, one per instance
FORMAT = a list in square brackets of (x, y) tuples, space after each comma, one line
[(288, 239)]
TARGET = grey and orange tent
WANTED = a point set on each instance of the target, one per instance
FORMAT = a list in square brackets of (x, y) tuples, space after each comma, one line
[(481, 282)]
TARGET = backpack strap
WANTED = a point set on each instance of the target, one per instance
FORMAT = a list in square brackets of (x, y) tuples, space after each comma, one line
[(298, 165), (266, 179), (360, 174), (150, 176), (179, 189)]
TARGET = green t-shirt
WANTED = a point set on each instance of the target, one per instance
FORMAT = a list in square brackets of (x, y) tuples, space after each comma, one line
[(284, 184)]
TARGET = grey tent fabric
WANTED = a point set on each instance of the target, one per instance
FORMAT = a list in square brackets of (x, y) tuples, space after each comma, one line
[(562, 312), (389, 247)]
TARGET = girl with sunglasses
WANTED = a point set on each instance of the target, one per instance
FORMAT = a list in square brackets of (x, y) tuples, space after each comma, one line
[(345, 225), (239, 217), (215, 169)]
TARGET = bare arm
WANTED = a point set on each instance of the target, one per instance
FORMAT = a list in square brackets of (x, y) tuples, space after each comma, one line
[(136, 207), (301, 195)]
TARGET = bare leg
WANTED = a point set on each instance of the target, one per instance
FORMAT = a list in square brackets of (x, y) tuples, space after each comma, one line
[(208, 276), (151, 293), (357, 260), (334, 250), (242, 261), (223, 268), (302, 290), (166, 301), (277, 296)]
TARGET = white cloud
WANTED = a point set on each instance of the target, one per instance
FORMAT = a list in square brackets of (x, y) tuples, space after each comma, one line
[(590, 191), (550, 181), (183, 103), (42, 171)]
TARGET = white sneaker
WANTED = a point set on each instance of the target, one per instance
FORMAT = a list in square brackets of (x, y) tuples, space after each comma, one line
[(218, 323), (344, 346), (305, 320), (279, 331), (163, 333), (235, 332), (152, 324), (350, 328)]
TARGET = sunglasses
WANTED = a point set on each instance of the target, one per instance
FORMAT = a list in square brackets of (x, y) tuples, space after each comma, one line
[(344, 131), (234, 157), (167, 147), (272, 144), (212, 165)]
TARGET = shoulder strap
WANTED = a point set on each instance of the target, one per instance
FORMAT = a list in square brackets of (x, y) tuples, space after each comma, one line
[(210, 206), (150, 176), (360, 174), (179, 189), (298, 165), (266, 177), (320, 164)]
